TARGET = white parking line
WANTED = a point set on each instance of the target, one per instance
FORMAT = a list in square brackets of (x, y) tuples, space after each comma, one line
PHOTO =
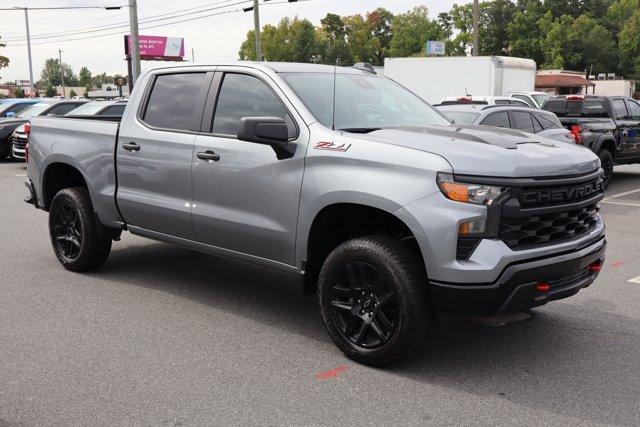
[(635, 280), (621, 203), (22, 174), (615, 196)]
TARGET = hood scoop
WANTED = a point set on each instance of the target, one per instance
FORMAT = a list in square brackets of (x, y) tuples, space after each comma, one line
[(500, 137)]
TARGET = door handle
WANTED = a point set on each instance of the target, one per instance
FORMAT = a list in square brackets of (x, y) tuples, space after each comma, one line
[(131, 146), (208, 155)]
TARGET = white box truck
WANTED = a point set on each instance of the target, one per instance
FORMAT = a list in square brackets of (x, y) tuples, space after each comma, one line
[(434, 78)]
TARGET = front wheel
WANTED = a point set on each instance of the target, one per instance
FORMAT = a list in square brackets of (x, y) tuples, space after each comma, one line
[(373, 299), (74, 231), (606, 160)]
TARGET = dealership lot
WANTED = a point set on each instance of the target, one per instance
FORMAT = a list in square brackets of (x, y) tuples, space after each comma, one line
[(163, 335)]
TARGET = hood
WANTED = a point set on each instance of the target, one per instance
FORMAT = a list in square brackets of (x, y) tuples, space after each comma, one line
[(490, 151)]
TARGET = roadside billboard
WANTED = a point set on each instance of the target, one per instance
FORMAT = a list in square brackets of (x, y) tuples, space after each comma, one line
[(435, 47), (158, 48)]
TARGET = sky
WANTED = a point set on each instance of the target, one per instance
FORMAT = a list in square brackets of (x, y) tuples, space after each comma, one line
[(215, 38)]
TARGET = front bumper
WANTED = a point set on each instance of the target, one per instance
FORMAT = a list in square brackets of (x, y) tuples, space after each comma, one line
[(516, 287)]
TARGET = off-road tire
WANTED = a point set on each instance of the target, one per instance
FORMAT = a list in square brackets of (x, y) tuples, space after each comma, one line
[(94, 247), (606, 159), (400, 265)]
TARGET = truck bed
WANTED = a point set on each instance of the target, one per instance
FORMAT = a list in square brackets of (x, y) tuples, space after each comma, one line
[(87, 144)]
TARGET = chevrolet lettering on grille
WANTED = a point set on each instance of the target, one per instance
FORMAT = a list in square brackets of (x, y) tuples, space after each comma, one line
[(562, 194)]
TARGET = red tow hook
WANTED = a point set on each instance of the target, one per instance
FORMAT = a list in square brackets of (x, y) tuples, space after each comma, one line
[(595, 266)]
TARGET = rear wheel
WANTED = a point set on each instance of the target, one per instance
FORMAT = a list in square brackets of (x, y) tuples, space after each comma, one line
[(373, 298), (606, 159), (74, 231)]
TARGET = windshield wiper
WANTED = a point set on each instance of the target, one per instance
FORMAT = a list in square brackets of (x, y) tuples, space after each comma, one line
[(359, 130)]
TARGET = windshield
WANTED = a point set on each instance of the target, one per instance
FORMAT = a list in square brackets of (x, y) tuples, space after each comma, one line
[(541, 98), (33, 111), (88, 109), (461, 117), (363, 102)]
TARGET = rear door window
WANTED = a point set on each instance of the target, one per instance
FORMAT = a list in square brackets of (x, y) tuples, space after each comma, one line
[(522, 121), (500, 119), (62, 109), (619, 109), (113, 110), (176, 101)]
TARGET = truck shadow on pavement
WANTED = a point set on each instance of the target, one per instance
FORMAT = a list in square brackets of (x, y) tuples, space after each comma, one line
[(570, 359)]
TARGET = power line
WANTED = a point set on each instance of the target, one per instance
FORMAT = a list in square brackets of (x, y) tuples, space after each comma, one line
[(169, 15), (152, 26)]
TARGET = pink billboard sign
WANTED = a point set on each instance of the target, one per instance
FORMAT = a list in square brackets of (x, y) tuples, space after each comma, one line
[(158, 47)]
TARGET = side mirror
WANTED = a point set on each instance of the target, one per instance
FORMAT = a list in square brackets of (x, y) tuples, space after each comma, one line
[(10, 114), (265, 130)]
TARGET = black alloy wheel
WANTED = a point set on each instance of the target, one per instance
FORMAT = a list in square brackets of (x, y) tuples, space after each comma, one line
[(364, 306), (67, 230)]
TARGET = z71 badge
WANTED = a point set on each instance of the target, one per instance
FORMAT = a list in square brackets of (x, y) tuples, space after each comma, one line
[(332, 146)]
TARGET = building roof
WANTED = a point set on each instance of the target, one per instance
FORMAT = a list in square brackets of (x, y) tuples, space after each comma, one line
[(561, 80)]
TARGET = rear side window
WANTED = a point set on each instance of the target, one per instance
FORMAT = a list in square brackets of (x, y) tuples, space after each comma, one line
[(175, 102), (113, 110), (548, 121), (522, 121), (16, 108), (62, 109), (577, 108), (524, 99), (619, 109), (502, 101), (241, 96), (500, 120)]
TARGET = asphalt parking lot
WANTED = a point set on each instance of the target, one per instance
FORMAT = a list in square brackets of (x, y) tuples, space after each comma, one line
[(162, 335)]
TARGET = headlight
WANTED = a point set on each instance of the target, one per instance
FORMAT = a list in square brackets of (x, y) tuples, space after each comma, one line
[(479, 194)]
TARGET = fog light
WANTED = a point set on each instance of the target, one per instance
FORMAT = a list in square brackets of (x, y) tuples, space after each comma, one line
[(471, 227), (542, 287)]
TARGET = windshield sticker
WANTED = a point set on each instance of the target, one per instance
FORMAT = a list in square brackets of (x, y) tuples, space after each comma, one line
[(332, 146)]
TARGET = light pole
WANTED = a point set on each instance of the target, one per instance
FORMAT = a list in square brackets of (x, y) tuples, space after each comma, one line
[(135, 41), (26, 22), (64, 95), (476, 37)]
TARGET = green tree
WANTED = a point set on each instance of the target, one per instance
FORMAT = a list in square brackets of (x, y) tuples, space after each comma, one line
[(411, 30), (362, 43), (629, 47), (19, 93), (303, 40), (87, 88), (578, 44), (4, 61), (72, 93), (524, 32), (332, 37), (50, 91), (619, 13), (50, 74), (493, 34), (380, 21), (84, 77)]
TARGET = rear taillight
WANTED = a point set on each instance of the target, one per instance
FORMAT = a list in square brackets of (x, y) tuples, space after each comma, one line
[(576, 131), (576, 97), (27, 128), (465, 99), (27, 131)]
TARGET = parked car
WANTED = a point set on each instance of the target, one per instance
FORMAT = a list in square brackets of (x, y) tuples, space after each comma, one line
[(11, 107), (100, 108), (527, 119), (46, 107), (481, 100), (341, 178), (608, 125), (534, 99)]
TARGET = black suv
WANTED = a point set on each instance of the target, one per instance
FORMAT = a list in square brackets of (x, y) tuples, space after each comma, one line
[(608, 125)]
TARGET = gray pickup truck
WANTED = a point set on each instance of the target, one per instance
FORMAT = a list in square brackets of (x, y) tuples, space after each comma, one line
[(342, 178)]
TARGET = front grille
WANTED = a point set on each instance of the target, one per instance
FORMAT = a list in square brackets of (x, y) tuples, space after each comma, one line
[(550, 210), (19, 143), (522, 232)]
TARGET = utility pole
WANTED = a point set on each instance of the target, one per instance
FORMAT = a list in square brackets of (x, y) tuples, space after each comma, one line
[(256, 25), (476, 18), (64, 94), (26, 21), (135, 41)]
